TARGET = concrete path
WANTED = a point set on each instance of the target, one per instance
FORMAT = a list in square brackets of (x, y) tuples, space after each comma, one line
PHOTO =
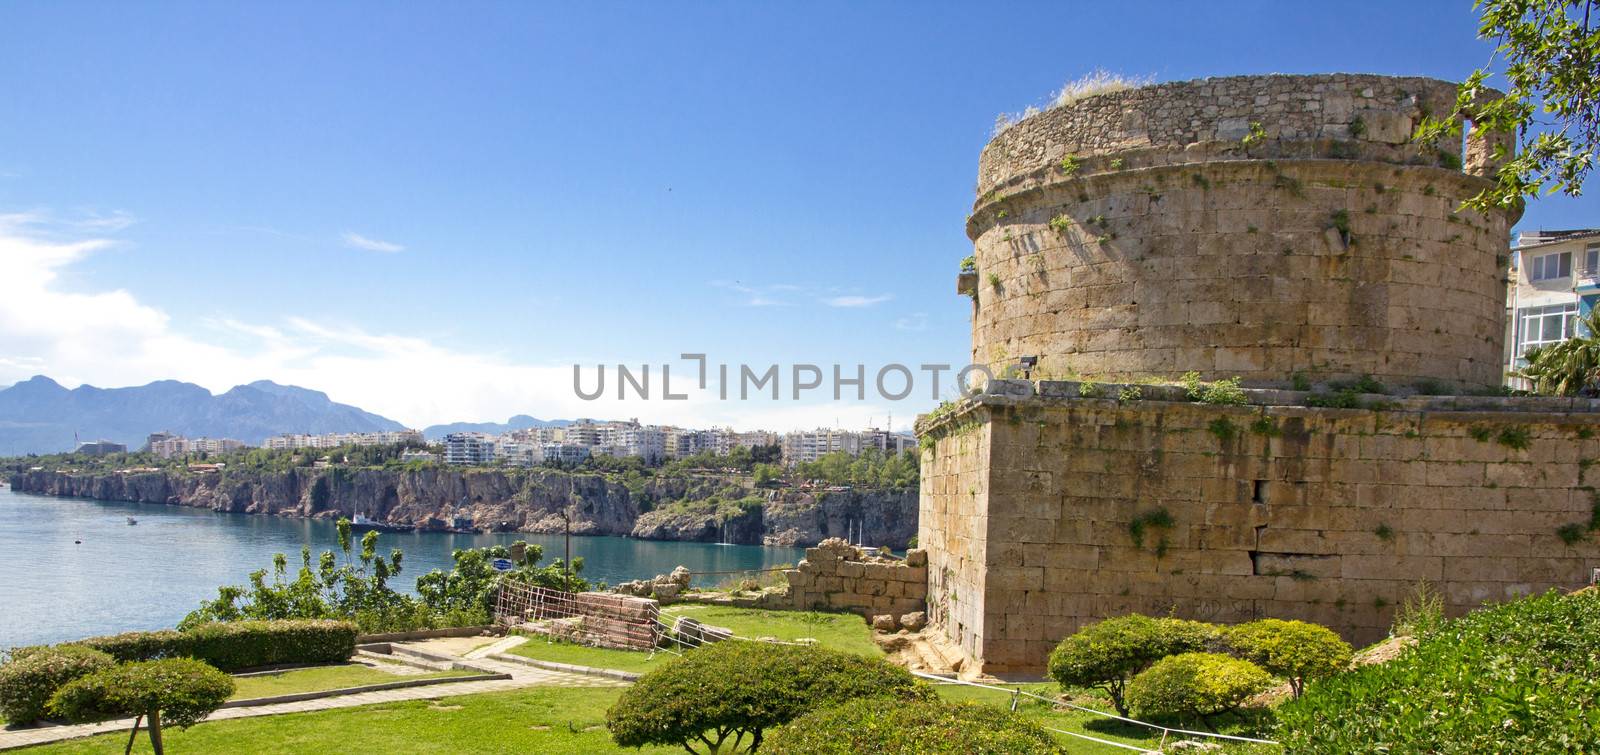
[(521, 676)]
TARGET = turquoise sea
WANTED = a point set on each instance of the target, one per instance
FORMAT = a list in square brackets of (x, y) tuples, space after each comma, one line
[(147, 576)]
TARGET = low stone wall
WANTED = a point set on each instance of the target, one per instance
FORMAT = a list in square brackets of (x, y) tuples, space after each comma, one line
[(836, 576)]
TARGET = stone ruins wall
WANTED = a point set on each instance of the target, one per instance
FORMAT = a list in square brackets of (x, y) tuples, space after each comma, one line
[(1251, 226), (836, 576), (1044, 512)]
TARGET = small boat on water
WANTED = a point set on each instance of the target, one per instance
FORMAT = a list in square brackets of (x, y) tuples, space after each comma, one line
[(363, 522), (132, 521)]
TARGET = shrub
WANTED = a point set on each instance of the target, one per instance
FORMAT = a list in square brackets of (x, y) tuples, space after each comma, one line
[(238, 644), (1195, 685), (1518, 677), (1420, 614), (1294, 650), (34, 674), (172, 692), (895, 727), (1108, 653), (740, 689)]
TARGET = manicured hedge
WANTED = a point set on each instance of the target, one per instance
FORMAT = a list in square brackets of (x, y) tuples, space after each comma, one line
[(900, 727), (1195, 685), (1519, 677), (182, 690), (1108, 653), (32, 676), (238, 644)]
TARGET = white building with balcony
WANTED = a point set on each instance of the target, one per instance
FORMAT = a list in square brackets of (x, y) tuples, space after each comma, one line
[(1555, 281)]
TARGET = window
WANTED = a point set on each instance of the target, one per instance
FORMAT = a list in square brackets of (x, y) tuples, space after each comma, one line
[(1548, 266), (1542, 326), (1591, 258)]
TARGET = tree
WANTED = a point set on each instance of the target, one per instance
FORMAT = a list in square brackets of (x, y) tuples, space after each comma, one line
[(878, 725), (1567, 368), (34, 674), (1195, 685), (1295, 650), (173, 692), (723, 697), (1551, 50), (1109, 653)]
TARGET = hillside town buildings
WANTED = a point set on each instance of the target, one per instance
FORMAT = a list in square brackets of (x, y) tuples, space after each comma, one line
[(334, 440)]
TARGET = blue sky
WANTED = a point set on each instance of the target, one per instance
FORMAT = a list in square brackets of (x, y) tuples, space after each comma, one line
[(431, 211)]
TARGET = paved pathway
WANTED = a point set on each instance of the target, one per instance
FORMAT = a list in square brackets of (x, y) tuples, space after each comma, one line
[(521, 676)]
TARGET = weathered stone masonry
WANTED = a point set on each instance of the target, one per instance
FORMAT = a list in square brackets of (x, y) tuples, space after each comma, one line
[(1277, 228), (1277, 509)]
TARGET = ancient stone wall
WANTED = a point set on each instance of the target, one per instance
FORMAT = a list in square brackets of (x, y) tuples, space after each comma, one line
[(1043, 510), (1251, 226), (836, 576)]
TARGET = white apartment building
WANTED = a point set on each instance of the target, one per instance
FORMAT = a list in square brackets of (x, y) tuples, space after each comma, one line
[(167, 445), (1555, 283), (807, 446), (470, 449)]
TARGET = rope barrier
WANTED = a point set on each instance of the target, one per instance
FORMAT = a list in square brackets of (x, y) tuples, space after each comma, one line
[(1064, 704)]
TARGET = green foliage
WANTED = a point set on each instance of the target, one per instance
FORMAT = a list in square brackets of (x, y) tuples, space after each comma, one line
[(173, 692), (1255, 136), (1420, 614), (1157, 518), (29, 679), (1263, 425), (1060, 223), (1300, 382), (1130, 393), (878, 725), (1195, 685), (994, 281), (1575, 532), (720, 695), (873, 468), (1108, 653), (1384, 532), (1345, 399), (1340, 221), (355, 587), (236, 645), (969, 264), (1089, 389), (1295, 650), (1517, 677), (1224, 429), (1069, 165), (1515, 437), (1363, 384), (1117, 163), (1358, 129), (1551, 104), (1225, 392)]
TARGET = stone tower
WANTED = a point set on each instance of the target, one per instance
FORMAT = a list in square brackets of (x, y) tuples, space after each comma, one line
[(1262, 227), (1255, 226)]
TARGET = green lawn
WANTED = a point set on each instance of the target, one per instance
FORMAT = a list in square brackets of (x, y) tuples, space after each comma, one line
[(565, 652), (323, 678), (839, 631), (846, 632), (546, 720), (1095, 726)]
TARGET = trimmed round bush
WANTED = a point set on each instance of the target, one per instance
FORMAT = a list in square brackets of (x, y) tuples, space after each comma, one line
[(29, 680), (172, 692), (900, 727), (1108, 653), (1295, 650), (723, 697), (1195, 685)]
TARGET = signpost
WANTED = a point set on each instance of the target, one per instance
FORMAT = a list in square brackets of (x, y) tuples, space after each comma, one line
[(502, 564)]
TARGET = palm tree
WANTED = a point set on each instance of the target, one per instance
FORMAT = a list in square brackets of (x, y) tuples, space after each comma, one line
[(1568, 368)]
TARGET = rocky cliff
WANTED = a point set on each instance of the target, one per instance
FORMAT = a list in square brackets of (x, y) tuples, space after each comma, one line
[(680, 508)]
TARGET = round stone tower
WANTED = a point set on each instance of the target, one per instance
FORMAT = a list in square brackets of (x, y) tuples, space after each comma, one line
[(1254, 226)]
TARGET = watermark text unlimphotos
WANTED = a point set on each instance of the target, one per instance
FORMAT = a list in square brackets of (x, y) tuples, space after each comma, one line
[(795, 382)]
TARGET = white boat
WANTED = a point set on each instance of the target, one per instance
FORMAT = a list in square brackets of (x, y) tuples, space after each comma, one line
[(132, 521)]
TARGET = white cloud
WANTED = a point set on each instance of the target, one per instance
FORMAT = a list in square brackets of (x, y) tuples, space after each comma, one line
[(914, 321), (357, 241), (856, 302), (758, 296), (110, 338)]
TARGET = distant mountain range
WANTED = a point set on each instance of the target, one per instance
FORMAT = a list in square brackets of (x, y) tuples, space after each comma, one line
[(519, 422), (40, 416)]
